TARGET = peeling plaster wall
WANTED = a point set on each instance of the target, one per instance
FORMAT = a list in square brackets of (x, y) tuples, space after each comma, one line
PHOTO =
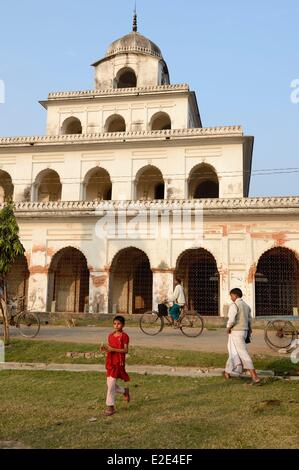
[(236, 245)]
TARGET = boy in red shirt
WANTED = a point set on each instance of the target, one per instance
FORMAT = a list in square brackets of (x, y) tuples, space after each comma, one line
[(116, 350)]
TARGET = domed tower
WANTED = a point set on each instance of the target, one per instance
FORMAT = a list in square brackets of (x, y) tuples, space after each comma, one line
[(131, 61)]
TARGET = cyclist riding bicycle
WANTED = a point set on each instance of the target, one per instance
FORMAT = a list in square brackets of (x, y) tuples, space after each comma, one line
[(178, 299)]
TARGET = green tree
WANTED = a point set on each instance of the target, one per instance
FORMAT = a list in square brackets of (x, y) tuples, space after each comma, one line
[(10, 249)]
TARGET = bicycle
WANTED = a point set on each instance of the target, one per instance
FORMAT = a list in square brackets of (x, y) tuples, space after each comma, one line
[(190, 322), (27, 323)]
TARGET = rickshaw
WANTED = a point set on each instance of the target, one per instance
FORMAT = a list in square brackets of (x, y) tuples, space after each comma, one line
[(280, 332)]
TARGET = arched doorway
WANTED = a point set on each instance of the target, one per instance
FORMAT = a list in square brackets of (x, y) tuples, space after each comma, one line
[(277, 283), (131, 282), (126, 78), (48, 187), (203, 183), (71, 125), (98, 186), (150, 184), (6, 187), (198, 270), (115, 123), (68, 282), (160, 122), (17, 281)]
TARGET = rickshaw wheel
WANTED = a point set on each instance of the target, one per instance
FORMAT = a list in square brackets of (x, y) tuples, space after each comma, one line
[(279, 334)]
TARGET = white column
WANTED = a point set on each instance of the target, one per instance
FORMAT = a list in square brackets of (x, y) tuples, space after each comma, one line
[(37, 289), (22, 192), (70, 191), (224, 281), (99, 292), (251, 271), (38, 280), (162, 286)]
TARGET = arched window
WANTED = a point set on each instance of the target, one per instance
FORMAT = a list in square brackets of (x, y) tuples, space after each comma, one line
[(98, 186), (277, 283), (150, 184), (131, 282), (72, 125), (6, 187), (68, 282), (115, 123), (198, 270), (48, 186), (160, 122), (203, 183), (126, 78)]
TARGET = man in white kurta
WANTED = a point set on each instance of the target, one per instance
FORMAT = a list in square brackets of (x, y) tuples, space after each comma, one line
[(178, 298), (238, 325)]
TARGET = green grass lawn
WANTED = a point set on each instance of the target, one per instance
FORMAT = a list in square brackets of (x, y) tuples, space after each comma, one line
[(55, 352), (53, 409)]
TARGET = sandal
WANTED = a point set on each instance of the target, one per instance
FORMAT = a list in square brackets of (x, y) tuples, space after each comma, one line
[(255, 382), (226, 375), (127, 397)]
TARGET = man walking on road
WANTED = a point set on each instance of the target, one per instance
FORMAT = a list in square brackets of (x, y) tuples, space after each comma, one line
[(239, 328)]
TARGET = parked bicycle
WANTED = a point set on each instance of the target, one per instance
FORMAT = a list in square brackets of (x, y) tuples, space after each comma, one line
[(190, 323), (27, 323)]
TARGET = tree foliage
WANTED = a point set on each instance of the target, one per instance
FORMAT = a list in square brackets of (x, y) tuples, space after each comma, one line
[(10, 249), (10, 245)]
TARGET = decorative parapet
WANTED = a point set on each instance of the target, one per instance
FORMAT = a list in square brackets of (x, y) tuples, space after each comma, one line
[(210, 206), (134, 48), (174, 134), (117, 91)]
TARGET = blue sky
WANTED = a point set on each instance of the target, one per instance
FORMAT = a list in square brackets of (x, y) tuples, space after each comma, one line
[(239, 56)]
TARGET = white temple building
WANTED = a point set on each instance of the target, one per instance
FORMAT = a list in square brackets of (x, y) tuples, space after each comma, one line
[(130, 150)]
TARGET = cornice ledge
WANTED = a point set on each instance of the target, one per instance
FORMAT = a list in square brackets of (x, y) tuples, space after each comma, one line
[(225, 131), (258, 203), (116, 91)]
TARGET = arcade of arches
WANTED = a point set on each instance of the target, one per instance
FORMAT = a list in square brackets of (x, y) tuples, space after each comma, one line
[(131, 282)]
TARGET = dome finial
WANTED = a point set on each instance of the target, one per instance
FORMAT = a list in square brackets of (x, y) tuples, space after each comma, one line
[(135, 26)]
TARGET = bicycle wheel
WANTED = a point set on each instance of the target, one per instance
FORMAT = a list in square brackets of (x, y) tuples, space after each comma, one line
[(151, 323), (28, 324), (192, 324), (279, 334)]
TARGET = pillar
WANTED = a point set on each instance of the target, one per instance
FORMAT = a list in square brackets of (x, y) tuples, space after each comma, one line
[(162, 285), (37, 289), (99, 291)]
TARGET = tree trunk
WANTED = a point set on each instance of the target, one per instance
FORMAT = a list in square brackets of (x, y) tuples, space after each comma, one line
[(3, 304)]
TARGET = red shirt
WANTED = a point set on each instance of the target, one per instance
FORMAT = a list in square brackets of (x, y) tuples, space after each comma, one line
[(115, 362)]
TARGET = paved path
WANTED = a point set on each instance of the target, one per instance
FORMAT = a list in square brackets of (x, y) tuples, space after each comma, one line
[(136, 369), (209, 341)]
